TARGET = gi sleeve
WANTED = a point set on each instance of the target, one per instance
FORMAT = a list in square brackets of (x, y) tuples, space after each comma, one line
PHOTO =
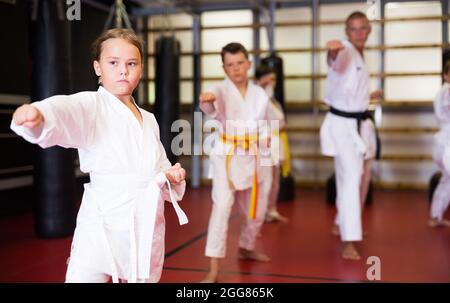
[(69, 121), (213, 109), (176, 191), (442, 105), (341, 62)]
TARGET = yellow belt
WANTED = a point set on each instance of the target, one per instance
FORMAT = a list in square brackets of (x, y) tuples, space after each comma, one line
[(286, 165), (245, 142)]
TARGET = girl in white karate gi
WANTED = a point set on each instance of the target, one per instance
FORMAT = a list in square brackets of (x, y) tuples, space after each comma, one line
[(352, 144), (266, 78), (441, 196), (120, 224), (237, 104)]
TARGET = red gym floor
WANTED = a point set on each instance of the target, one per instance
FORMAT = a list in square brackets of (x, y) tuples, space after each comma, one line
[(302, 250)]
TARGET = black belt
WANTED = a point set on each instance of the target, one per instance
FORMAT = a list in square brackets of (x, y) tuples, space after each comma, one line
[(360, 116)]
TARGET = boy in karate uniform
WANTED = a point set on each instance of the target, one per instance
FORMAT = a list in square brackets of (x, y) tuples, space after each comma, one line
[(266, 78), (238, 170)]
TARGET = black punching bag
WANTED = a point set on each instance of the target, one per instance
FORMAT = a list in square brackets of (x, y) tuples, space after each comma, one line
[(167, 99), (276, 63), (331, 191), (54, 176), (287, 184), (432, 184), (445, 58)]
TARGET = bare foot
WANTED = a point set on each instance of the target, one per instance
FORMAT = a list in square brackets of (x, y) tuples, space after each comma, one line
[(349, 251), (214, 267), (275, 217), (210, 278), (335, 231), (434, 222), (245, 254)]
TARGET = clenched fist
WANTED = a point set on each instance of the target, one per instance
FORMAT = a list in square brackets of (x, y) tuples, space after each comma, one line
[(28, 116), (207, 97), (334, 45), (333, 48), (376, 95), (175, 174)]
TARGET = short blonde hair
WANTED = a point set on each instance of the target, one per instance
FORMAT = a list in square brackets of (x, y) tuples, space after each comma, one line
[(356, 15), (122, 33)]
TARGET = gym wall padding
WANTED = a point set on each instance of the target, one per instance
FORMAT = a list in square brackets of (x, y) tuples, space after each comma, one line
[(15, 77), (167, 94), (17, 156), (84, 33)]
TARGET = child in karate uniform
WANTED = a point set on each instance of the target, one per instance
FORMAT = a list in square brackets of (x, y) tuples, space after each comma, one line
[(266, 78), (441, 196), (239, 171), (120, 225)]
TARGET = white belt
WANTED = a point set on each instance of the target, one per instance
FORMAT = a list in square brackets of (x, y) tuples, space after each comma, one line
[(142, 221)]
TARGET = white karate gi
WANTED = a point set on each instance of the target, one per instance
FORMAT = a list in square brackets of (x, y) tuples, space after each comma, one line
[(120, 225), (275, 112), (236, 115), (348, 90), (441, 196)]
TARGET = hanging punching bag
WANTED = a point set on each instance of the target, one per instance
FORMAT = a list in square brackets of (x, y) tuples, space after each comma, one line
[(287, 182), (276, 63), (331, 191), (54, 176), (445, 58), (167, 97), (432, 184)]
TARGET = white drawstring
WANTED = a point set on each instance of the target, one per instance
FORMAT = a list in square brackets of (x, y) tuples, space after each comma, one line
[(182, 218)]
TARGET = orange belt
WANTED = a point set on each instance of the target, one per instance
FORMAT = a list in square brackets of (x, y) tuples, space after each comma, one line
[(245, 142)]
